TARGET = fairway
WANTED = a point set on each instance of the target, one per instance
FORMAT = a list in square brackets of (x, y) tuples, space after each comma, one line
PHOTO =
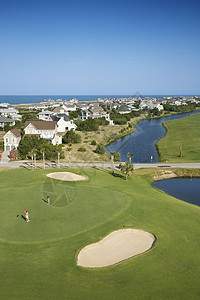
[(39, 258), (184, 133)]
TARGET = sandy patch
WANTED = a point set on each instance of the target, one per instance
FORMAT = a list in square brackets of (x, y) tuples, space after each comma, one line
[(66, 176), (164, 175), (115, 247)]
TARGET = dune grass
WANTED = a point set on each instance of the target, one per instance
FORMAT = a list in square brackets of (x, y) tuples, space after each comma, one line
[(184, 132), (38, 259)]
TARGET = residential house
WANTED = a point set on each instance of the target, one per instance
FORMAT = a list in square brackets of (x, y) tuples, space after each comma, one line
[(9, 112), (95, 111), (68, 106), (60, 110), (45, 115), (63, 122), (12, 139), (82, 105), (4, 121), (123, 109), (44, 129), (36, 106), (4, 105)]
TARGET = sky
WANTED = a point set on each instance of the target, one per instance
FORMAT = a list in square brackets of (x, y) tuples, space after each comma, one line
[(99, 47)]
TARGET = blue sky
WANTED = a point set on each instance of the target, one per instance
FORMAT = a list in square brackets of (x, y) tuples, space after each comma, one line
[(99, 47)]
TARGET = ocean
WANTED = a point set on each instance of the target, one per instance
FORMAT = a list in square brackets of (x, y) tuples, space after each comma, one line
[(39, 98)]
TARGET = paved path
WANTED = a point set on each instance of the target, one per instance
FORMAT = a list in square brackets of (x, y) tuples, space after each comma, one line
[(101, 165), (5, 156)]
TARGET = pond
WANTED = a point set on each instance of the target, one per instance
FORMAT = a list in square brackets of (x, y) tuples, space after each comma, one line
[(186, 189), (142, 141)]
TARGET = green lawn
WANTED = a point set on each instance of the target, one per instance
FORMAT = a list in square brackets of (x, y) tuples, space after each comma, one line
[(184, 132), (38, 259)]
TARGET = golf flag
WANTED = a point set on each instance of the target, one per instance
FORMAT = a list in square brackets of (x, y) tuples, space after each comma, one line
[(24, 210)]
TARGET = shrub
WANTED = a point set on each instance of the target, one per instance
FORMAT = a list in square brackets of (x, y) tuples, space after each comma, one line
[(71, 137), (100, 149), (102, 121), (40, 145), (81, 149), (87, 125), (93, 142), (14, 154)]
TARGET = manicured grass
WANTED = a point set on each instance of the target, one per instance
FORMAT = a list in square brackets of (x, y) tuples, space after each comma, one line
[(184, 132), (38, 259)]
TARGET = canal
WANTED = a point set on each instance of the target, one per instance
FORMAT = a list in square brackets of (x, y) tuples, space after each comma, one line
[(142, 141)]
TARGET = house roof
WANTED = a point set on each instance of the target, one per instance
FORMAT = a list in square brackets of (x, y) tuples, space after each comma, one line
[(6, 120), (123, 107), (41, 124), (16, 132), (59, 116), (46, 112), (59, 109)]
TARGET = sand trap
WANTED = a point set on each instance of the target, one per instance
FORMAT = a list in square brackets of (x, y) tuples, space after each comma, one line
[(66, 176), (115, 247)]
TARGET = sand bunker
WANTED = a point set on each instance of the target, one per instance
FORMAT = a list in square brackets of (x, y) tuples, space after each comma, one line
[(66, 176), (115, 247)]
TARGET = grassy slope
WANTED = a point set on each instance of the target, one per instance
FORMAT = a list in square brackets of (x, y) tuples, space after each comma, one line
[(105, 133), (47, 270), (186, 132)]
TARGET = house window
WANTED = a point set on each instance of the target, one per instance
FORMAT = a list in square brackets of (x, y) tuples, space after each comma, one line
[(6, 140), (13, 140)]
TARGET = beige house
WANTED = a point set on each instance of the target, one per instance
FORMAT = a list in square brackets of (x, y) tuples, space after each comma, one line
[(12, 139), (44, 129)]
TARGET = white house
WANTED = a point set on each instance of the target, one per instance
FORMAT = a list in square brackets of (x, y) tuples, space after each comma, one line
[(124, 109), (68, 106), (45, 115), (44, 129), (60, 110), (12, 139), (95, 112), (63, 123), (8, 111)]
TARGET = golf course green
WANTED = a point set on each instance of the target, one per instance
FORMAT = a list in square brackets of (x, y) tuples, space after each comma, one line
[(38, 260)]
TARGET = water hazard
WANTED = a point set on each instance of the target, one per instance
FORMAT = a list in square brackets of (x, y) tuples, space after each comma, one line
[(186, 189), (142, 141)]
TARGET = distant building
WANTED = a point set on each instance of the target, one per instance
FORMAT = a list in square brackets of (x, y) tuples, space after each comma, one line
[(124, 109), (60, 110), (45, 115)]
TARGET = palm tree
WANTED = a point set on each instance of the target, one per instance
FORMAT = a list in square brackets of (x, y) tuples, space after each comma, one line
[(32, 154), (112, 161), (130, 155), (42, 151), (127, 168)]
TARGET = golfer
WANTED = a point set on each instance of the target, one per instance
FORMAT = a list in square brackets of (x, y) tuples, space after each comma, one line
[(48, 199), (27, 216)]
